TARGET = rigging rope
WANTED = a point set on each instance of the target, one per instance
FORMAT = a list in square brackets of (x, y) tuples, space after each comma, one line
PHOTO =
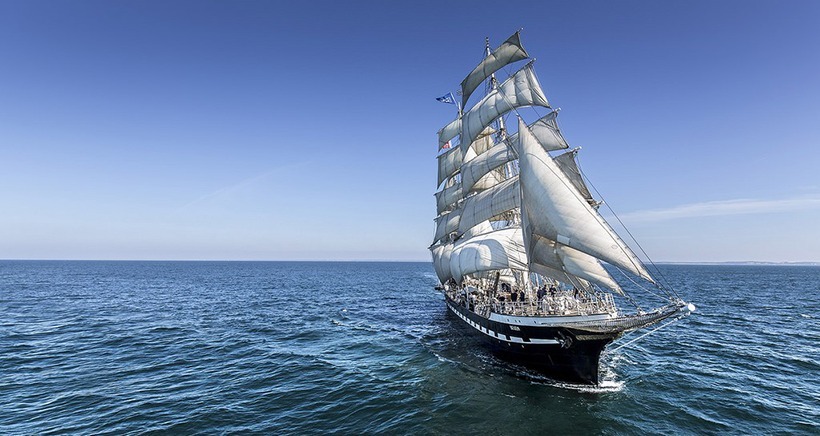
[(646, 334), (669, 291), (636, 283)]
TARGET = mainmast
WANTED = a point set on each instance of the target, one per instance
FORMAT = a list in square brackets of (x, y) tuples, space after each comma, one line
[(499, 124), (512, 217)]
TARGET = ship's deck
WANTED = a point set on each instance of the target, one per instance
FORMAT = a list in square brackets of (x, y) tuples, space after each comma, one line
[(560, 303)]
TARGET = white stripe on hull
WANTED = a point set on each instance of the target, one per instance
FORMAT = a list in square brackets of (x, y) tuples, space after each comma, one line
[(548, 321), (501, 336)]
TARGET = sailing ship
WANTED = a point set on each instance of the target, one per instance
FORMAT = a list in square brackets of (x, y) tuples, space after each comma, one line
[(520, 246)]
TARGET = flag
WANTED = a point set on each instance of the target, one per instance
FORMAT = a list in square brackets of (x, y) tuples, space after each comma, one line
[(447, 145), (447, 98)]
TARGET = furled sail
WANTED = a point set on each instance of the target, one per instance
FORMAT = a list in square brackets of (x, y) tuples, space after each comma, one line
[(558, 212), (508, 52), (520, 89), (496, 250), (569, 166)]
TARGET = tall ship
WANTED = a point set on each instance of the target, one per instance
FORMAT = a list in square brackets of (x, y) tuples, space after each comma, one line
[(524, 257)]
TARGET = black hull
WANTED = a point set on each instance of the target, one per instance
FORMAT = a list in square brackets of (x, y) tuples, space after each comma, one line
[(560, 353)]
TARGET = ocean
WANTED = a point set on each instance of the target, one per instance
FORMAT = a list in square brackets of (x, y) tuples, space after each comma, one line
[(369, 348)]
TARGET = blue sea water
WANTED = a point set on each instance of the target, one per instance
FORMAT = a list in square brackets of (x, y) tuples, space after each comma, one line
[(368, 348)]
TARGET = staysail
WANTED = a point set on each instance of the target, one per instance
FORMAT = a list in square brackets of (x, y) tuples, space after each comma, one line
[(568, 164), (555, 210)]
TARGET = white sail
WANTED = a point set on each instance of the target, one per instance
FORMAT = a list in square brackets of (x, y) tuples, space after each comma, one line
[(478, 229), (569, 166), (449, 163), (554, 255), (482, 142), (441, 261), (449, 132), (477, 208), (520, 89), (546, 131), (441, 252), (488, 181), (481, 165), (559, 275), (446, 223), (447, 197), (492, 251), (555, 210), (486, 204), (508, 52)]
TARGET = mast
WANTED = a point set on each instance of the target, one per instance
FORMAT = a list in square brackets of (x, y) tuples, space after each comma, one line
[(493, 85), (501, 135)]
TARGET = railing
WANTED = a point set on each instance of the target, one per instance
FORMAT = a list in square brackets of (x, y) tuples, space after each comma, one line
[(562, 303)]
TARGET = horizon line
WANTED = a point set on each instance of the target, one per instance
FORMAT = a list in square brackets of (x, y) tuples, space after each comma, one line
[(677, 262)]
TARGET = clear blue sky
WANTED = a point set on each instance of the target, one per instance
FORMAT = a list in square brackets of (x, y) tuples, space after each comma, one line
[(271, 130)]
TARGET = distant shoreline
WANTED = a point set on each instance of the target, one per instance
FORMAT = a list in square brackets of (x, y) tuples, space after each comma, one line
[(743, 263), (727, 263)]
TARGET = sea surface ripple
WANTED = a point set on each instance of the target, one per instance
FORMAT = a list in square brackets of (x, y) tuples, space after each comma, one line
[(368, 348)]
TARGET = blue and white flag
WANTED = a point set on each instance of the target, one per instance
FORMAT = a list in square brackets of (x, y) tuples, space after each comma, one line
[(448, 98)]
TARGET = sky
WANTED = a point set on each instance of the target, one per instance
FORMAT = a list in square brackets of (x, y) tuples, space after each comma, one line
[(260, 130)]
